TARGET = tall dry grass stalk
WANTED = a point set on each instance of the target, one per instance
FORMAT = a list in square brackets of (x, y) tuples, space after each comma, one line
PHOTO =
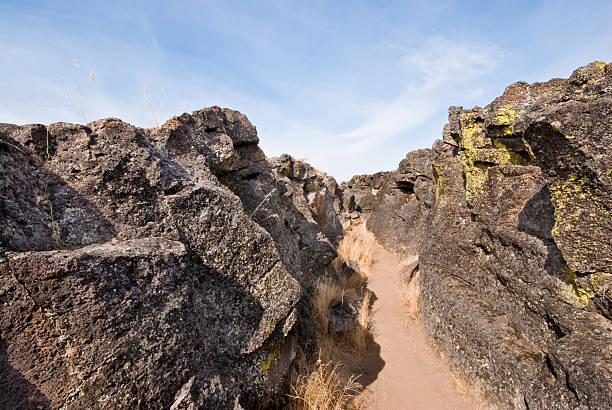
[(324, 388), (81, 107), (155, 108), (411, 295), (360, 335)]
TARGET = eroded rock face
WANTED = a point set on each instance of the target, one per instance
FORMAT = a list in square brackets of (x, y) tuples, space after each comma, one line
[(402, 204), (510, 217), (314, 193), (360, 193), (132, 275)]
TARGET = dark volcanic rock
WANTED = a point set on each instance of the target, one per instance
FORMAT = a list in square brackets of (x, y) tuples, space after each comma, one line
[(133, 278), (120, 308), (510, 215), (342, 317), (349, 269), (362, 191), (403, 203), (314, 193), (171, 268)]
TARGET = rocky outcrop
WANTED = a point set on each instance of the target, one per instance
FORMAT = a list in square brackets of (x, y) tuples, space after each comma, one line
[(360, 193), (403, 202), (158, 268), (510, 217), (314, 193), (172, 267)]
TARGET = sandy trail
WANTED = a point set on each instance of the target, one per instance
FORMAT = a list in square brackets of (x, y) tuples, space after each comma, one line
[(400, 368)]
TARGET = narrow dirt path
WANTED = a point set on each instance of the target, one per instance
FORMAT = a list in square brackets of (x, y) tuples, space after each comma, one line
[(400, 369)]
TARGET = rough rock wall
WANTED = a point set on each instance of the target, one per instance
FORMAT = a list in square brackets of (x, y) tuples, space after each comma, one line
[(510, 215), (314, 193), (362, 192), (132, 275)]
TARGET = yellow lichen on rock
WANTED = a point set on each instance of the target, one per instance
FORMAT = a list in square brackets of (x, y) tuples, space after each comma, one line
[(475, 178), (575, 295), (581, 216), (506, 115), (472, 139), (275, 354), (572, 292), (311, 187), (440, 184), (472, 131), (600, 282), (566, 193), (479, 153)]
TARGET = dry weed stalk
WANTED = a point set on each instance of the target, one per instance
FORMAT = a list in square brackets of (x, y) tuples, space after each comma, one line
[(11, 145), (82, 110), (324, 388), (411, 295), (360, 335), (252, 214), (156, 109)]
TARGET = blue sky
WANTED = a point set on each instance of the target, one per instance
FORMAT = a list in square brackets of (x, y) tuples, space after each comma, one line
[(350, 86)]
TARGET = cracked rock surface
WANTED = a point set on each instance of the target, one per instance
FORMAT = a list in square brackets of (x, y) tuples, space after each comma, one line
[(132, 275)]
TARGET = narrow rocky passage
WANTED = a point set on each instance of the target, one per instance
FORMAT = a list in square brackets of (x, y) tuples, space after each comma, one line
[(400, 369)]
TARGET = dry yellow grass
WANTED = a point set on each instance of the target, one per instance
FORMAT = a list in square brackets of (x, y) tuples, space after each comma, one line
[(411, 296), (360, 335), (331, 382), (353, 247), (355, 281), (324, 388), (350, 346), (325, 294), (460, 386)]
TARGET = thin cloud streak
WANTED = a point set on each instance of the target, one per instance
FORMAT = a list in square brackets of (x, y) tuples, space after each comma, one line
[(440, 66), (442, 60)]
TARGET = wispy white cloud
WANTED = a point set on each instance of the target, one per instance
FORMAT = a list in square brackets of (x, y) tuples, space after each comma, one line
[(389, 119), (441, 60), (437, 67)]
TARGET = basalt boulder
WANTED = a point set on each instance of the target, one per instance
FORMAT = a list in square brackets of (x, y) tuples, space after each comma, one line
[(132, 275)]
